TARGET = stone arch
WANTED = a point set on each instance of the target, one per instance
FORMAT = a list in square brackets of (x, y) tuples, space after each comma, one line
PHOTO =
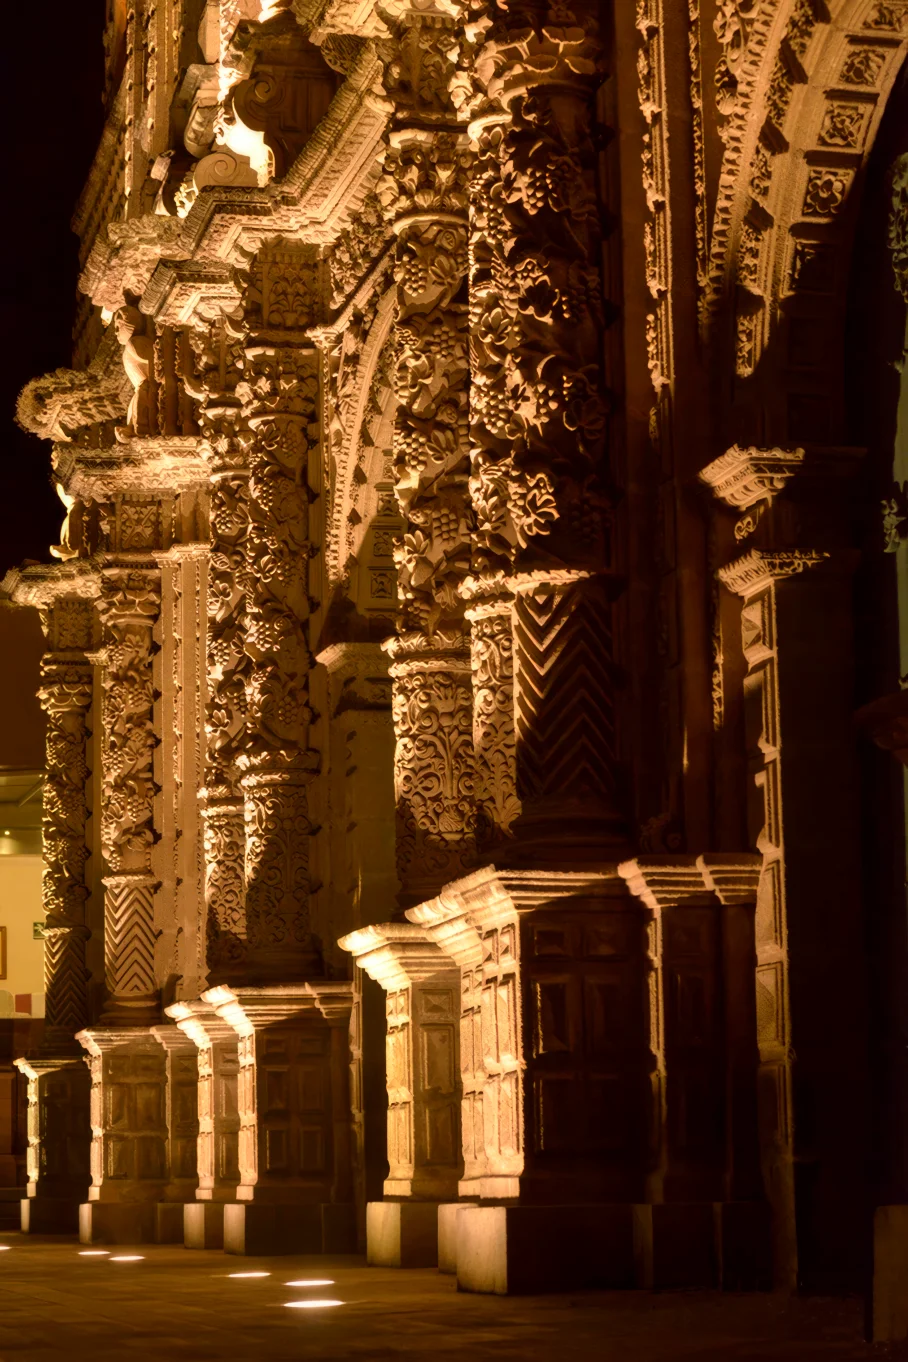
[(364, 391), (810, 86)]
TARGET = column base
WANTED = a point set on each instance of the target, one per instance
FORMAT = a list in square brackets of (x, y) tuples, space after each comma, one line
[(890, 1274), (48, 1215), (447, 1233), (203, 1225), (125, 1222), (402, 1233), (259, 1228), (169, 1222), (524, 1250)]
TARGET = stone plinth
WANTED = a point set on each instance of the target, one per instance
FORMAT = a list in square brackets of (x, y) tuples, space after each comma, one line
[(130, 1171), (216, 1061), (181, 1097), (422, 987), (58, 1143), (555, 1049), (295, 1189), (402, 1234)]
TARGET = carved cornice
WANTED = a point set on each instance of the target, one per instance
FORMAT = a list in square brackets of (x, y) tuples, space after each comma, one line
[(743, 476), (43, 584), (396, 954), (158, 465), (680, 881), (758, 569)]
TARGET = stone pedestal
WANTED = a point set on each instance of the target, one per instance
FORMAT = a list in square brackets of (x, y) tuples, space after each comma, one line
[(555, 1055), (130, 1171), (522, 1250), (448, 1214), (295, 1187), (402, 1234), (216, 1062), (422, 988), (58, 1143), (203, 1225), (181, 1097)]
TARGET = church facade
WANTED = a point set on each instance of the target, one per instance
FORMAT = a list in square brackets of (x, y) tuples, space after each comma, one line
[(474, 813)]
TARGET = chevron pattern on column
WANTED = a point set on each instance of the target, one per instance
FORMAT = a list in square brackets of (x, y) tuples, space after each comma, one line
[(129, 936), (563, 692), (66, 979)]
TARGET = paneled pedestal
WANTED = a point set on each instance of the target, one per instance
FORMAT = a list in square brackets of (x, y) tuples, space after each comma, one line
[(295, 1186), (59, 1139), (130, 1171), (216, 1059), (422, 988)]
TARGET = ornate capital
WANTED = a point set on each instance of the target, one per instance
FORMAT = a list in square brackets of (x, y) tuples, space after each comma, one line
[(743, 476), (756, 570)]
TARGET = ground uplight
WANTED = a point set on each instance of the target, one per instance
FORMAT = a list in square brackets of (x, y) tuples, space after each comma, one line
[(248, 1274), (94, 1253), (313, 1281), (128, 1258), (5, 1248), (310, 1305)]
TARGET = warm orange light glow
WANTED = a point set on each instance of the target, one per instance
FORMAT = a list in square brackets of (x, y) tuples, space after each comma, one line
[(314, 1281), (129, 1258), (310, 1305), (93, 1253), (248, 1274)]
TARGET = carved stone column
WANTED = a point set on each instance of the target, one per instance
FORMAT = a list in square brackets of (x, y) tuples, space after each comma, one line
[(424, 1091), (129, 610), (425, 198), (540, 482), (281, 397), (295, 1192), (218, 358), (130, 1171), (58, 1083), (218, 1121)]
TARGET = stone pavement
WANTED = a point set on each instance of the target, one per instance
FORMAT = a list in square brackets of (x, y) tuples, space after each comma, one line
[(175, 1305)]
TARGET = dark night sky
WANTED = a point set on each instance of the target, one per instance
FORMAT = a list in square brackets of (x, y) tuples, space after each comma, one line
[(50, 107)]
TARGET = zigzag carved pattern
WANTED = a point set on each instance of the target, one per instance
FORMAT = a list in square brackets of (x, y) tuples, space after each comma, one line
[(66, 1002), (130, 938), (564, 708)]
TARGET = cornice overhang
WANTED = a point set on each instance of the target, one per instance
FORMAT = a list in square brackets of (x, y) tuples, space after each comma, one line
[(40, 584), (161, 465)]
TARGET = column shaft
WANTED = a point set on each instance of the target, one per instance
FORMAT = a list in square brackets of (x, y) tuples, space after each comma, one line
[(424, 195)]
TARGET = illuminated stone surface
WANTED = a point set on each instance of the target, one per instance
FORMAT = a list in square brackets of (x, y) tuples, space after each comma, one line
[(457, 598)]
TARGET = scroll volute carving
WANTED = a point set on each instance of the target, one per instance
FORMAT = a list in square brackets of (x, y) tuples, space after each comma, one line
[(288, 92)]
